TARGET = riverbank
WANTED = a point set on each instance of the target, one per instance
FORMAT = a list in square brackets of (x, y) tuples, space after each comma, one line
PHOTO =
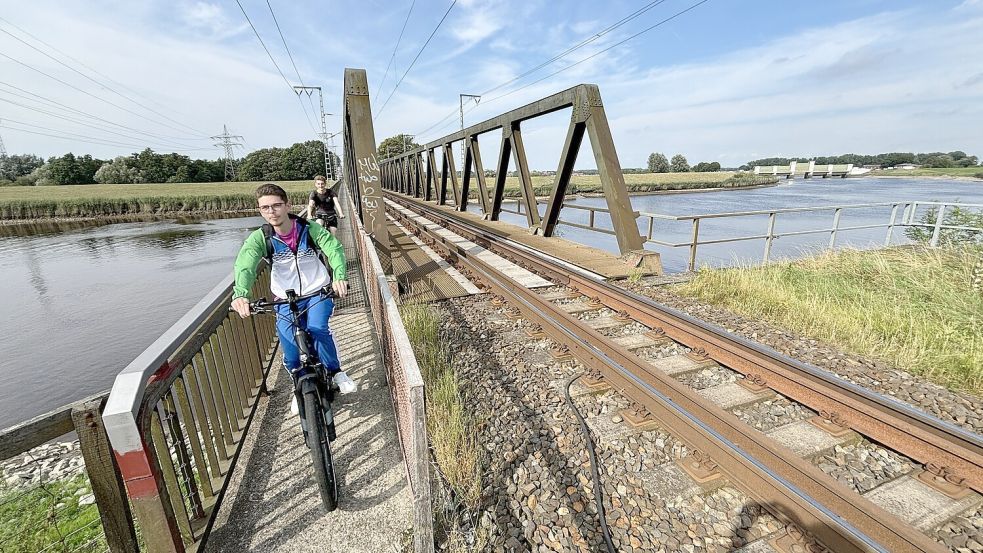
[(641, 183), (915, 308), (951, 173)]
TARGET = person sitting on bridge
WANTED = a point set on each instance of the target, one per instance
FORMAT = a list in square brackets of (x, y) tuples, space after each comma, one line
[(295, 265), (323, 204)]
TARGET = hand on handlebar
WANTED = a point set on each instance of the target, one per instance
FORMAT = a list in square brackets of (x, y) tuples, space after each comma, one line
[(340, 288), (241, 306)]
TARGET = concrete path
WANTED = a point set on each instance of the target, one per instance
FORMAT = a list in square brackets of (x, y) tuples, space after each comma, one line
[(273, 503)]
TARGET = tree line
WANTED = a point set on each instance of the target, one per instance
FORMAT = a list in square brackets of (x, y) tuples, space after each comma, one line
[(658, 163), (932, 159), (301, 161)]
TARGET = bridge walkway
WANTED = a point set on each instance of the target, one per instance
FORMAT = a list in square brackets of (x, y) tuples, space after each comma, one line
[(273, 504)]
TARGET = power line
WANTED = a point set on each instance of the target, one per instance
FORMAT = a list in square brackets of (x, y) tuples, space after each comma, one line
[(287, 48), (275, 64), (102, 85), (643, 31), (106, 77), (441, 22), (562, 54), (161, 138), (80, 137), (594, 55), (117, 106), (393, 57)]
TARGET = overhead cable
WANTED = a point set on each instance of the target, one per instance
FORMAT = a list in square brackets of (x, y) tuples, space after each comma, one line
[(95, 71), (392, 58), (422, 48)]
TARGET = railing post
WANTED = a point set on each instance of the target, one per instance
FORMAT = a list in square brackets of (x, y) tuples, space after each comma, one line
[(590, 220), (911, 213), (651, 223), (890, 226), (693, 244), (770, 238), (936, 234), (104, 477), (836, 225)]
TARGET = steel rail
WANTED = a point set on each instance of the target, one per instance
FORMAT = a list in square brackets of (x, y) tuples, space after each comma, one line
[(803, 494), (774, 476), (957, 453)]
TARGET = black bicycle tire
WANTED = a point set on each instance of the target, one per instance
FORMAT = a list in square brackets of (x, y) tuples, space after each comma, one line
[(320, 451)]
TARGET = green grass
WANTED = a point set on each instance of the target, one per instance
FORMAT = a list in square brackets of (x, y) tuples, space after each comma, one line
[(30, 520), (913, 307), (93, 200), (929, 172), (452, 430)]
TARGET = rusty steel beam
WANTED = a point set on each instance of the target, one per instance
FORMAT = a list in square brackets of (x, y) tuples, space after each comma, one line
[(360, 154), (587, 116)]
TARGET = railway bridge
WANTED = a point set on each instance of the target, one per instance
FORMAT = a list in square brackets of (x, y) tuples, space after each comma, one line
[(613, 422)]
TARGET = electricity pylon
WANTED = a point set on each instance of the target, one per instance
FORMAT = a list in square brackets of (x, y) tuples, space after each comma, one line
[(229, 142)]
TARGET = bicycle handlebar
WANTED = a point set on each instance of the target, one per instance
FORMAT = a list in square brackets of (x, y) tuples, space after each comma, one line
[(263, 306)]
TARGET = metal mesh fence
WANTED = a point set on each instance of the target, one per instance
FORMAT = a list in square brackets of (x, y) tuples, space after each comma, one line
[(402, 371), (46, 502)]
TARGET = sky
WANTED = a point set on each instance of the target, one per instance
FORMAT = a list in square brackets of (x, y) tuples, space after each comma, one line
[(724, 81)]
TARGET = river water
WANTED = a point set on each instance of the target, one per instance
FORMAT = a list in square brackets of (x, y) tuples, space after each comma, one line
[(82, 301), (788, 194)]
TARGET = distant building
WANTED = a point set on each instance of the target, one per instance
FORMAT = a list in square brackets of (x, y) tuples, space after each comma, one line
[(871, 166), (907, 166)]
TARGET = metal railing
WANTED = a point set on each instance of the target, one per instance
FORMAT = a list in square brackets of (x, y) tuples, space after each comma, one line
[(405, 385), (907, 209), (64, 495), (177, 414)]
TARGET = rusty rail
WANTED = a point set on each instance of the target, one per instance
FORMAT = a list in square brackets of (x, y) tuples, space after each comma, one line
[(415, 172), (176, 416), (841, 519)]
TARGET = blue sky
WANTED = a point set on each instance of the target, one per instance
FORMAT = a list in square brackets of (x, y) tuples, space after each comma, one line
[(727, 81)]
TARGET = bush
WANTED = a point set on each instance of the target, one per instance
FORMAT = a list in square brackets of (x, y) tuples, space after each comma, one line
[(954, 216)]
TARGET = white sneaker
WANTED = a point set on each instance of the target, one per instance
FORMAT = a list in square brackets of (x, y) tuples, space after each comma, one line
[(294, 410), (344, 382)]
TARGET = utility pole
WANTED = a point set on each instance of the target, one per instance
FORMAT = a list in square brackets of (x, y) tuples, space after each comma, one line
[(3, 154), (229, 142), (325, 138), (461, 97), (405, 136)]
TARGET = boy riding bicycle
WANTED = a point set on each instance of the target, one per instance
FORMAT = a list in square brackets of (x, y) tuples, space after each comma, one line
[(323, 205), (291, 245)]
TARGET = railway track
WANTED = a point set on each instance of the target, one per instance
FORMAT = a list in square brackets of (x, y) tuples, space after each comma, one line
[(608, 330)]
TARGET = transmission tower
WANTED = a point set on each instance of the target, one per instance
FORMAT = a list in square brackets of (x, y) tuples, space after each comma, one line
[(327, 141), (229, 142)]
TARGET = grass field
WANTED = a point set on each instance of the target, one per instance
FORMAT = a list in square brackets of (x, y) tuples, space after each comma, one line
[(929, 172), (915, 308), (95, 200)]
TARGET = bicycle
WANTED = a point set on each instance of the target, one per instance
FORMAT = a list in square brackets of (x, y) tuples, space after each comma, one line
[(315, 392)]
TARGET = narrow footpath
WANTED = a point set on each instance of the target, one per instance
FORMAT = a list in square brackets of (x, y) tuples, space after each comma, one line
[(273, 504)]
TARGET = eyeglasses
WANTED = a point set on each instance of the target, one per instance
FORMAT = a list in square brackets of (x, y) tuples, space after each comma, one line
[(272, 207)]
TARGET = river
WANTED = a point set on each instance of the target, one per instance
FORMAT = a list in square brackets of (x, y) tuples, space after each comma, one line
[(81, 303)]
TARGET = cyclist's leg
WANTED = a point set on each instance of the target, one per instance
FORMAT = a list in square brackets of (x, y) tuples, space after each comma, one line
[(317, 326), (284, 327)]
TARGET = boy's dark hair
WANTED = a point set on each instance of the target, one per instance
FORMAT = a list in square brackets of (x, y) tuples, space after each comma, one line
[(270, 189), (321, 177)]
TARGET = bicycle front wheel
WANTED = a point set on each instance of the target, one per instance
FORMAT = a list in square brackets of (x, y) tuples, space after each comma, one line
[(317, 441)]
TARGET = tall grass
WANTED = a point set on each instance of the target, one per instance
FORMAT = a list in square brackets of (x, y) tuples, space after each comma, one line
[(99, 200), (914, 307), (452, 430), (49, 517)]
